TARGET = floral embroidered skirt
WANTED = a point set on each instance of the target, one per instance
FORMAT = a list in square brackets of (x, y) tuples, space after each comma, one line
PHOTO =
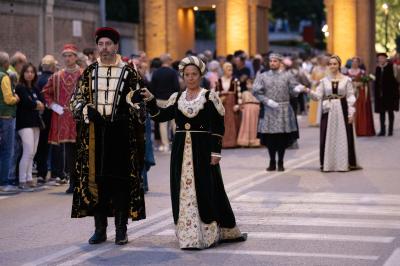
[(190, 230)]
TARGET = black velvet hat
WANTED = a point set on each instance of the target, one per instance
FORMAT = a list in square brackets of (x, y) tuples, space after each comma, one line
[(110, 33)]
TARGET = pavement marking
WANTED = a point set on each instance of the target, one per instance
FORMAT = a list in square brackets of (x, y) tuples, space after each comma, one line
[(88, 255), (311, 221), (254, 253), (54, 256), (301, 236), (4, 197), (394, 258), (263, 173), (264, 178), (300, 208), (249, 181), (76, 248), (324, 197)]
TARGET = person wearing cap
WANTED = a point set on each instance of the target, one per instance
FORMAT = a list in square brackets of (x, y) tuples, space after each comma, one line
[(48, 65), (386, 91), (201, 210), (277, 125), (110, 114), (62, 136)]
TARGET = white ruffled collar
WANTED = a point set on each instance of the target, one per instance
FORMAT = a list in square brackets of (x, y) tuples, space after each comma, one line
[(192, 108)]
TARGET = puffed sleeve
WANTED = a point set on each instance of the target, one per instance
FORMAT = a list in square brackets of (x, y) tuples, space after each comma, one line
[(48, 90), (351, 99), (259, 89), (160, 114), (319, 92), (217, 128), (79, 98)]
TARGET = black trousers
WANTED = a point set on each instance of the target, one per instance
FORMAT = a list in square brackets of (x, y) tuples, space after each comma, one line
[(42, 152), (382, 117), (113, 193), (63, 158)]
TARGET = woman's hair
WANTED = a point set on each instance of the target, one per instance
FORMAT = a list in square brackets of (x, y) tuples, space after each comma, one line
[(356, 58), (22, 80), (337, 58), (226, 65), (213, 66)]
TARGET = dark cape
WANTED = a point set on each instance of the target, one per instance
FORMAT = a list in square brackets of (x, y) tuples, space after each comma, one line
[(117, 147), (206, 129), (386, 89)]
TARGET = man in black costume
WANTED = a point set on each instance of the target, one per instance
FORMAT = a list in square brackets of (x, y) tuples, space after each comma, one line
[(386, 92), (110, 141)]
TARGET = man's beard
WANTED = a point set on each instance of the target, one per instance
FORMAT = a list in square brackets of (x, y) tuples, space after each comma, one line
[(107, 54)]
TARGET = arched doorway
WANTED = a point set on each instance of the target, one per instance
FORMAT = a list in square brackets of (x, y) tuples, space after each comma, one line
[(168, 26)]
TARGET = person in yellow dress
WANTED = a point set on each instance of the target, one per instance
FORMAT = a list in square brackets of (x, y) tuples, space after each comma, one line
[(318, 73)]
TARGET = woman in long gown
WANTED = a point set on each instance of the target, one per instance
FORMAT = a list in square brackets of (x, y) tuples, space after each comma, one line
[(228, 89), (337, 146), (318, 73), (201, 209), (364, 122), (250, 108)]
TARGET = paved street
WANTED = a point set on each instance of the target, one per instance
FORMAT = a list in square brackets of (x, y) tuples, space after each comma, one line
[(298, 217)]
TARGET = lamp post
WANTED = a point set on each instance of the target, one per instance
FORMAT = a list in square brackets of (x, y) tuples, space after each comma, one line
[(385, 8)]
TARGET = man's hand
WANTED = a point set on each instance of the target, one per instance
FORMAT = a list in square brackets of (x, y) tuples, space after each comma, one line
[(146, 94), (17, 97), (272, 104), (94, 116)]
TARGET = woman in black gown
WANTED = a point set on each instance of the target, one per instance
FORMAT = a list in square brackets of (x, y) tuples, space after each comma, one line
[(201, 209)]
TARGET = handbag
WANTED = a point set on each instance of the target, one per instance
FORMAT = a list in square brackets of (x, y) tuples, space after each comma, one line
[(42, 125)]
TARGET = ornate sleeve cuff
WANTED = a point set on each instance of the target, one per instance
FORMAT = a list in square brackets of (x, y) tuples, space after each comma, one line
[(213, 154)]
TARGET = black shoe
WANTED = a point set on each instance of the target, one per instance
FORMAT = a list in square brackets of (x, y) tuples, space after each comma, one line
[(70, 190), (280, 167), (381, 133), (272, 166), (100, 233), (121, 220), (98, 237), (241, 238)]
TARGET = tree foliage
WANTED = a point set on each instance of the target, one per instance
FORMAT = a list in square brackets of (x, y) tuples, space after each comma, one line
[(393, 26)]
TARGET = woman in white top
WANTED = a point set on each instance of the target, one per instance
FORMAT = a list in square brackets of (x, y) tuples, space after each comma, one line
[(337, 146)]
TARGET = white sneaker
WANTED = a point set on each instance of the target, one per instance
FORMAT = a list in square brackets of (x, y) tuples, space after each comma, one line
[(9, 189), (53, 182)]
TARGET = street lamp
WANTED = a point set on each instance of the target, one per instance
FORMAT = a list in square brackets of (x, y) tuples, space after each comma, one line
[(385, 8), (325, 30)]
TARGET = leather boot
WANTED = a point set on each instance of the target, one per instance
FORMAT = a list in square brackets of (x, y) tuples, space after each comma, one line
[(121, 220), (100, 232), (280, 166), (382, 132), (272, 166)]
